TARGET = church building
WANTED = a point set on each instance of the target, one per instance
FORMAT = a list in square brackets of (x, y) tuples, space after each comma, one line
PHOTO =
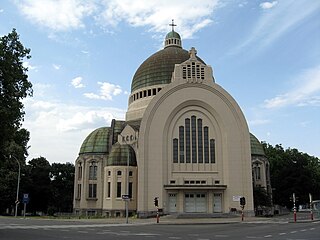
[(185, 142)]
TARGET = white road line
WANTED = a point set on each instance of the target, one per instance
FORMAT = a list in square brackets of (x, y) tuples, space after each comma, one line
[(303, 230), (293, 231), (282, 234), (268, 236), (312, 229)]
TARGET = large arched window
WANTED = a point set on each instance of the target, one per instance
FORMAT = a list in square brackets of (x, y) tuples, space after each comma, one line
[(193, 143)]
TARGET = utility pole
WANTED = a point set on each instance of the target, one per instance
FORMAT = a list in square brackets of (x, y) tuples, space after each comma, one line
[(311, 210), (294, 207), (18, 186)]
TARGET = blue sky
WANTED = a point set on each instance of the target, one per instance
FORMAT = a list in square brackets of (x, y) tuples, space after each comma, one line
[(266, 54)]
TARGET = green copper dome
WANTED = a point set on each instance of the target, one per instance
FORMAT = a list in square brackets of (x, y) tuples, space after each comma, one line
[(96, 142), (119, 156), (158, 68), (256, 146), (173, 34)]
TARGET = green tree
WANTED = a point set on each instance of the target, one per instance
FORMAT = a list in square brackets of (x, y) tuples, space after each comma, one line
[(62, 179), (293, 172), (39, 188), (14, 86)]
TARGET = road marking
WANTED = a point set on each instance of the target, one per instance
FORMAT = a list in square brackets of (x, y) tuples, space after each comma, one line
[(303, 230), (282, 234), (174, 237), (268, 236), (293, 231), (82, 231), (312, 229)]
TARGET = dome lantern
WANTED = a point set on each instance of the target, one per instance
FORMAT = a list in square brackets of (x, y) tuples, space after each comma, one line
[(172, 38)]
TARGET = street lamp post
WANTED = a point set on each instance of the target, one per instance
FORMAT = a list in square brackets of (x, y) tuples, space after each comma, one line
[(127, 200), (127, 182), (18, 186)]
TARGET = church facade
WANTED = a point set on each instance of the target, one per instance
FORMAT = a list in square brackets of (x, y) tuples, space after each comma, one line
[(185, 141)]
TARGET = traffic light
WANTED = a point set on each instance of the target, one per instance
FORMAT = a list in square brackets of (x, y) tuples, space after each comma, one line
[(156, 202), (242, 201)]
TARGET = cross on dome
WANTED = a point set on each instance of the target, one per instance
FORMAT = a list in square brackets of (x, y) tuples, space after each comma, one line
[(172, 25)]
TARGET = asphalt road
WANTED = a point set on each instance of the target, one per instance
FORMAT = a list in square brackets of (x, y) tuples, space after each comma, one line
[(28, 229)]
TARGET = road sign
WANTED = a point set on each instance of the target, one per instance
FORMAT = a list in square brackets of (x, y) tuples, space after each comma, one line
[(25, 198), (126, 197)]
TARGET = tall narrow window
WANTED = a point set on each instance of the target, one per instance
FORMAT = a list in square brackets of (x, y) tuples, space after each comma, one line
[(118, 189), (92, 190), (212, 151), (93, 171), (194, 138), (206, 144), (130, 189), (79, 191), (79, 171), (200, 142), (175, 150), (109, 190), (188, 150), (181, 143)]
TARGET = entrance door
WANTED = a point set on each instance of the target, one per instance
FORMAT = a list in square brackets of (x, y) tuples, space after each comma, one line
[(217, 202), (195, 202), (172, 202)]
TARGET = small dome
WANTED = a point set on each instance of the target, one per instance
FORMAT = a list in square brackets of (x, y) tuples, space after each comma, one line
[(96, 142), (173, 34), (256, 146), (119, 156)]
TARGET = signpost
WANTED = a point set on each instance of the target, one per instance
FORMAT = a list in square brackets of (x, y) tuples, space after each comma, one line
[(25, 201), (125, 197)]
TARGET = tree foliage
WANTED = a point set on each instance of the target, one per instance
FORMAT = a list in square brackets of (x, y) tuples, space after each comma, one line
[(293, 172), (14, 87)]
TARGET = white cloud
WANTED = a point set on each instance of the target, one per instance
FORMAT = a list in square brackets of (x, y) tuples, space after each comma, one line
[(58, 129), (242, 4), (306, 93), (56, 67), (274, 24), (1, 10), (268, 5), (189, 15), (63, 15), (58, 15), (106, 92), (76, 82), (258, 122), (29, 66)]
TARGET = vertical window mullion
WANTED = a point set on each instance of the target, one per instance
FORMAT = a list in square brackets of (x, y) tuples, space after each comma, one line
[(212, 151), (181, 144), (188, 150), (175, 150), (200, 142), (206, 144), (194, 139)]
